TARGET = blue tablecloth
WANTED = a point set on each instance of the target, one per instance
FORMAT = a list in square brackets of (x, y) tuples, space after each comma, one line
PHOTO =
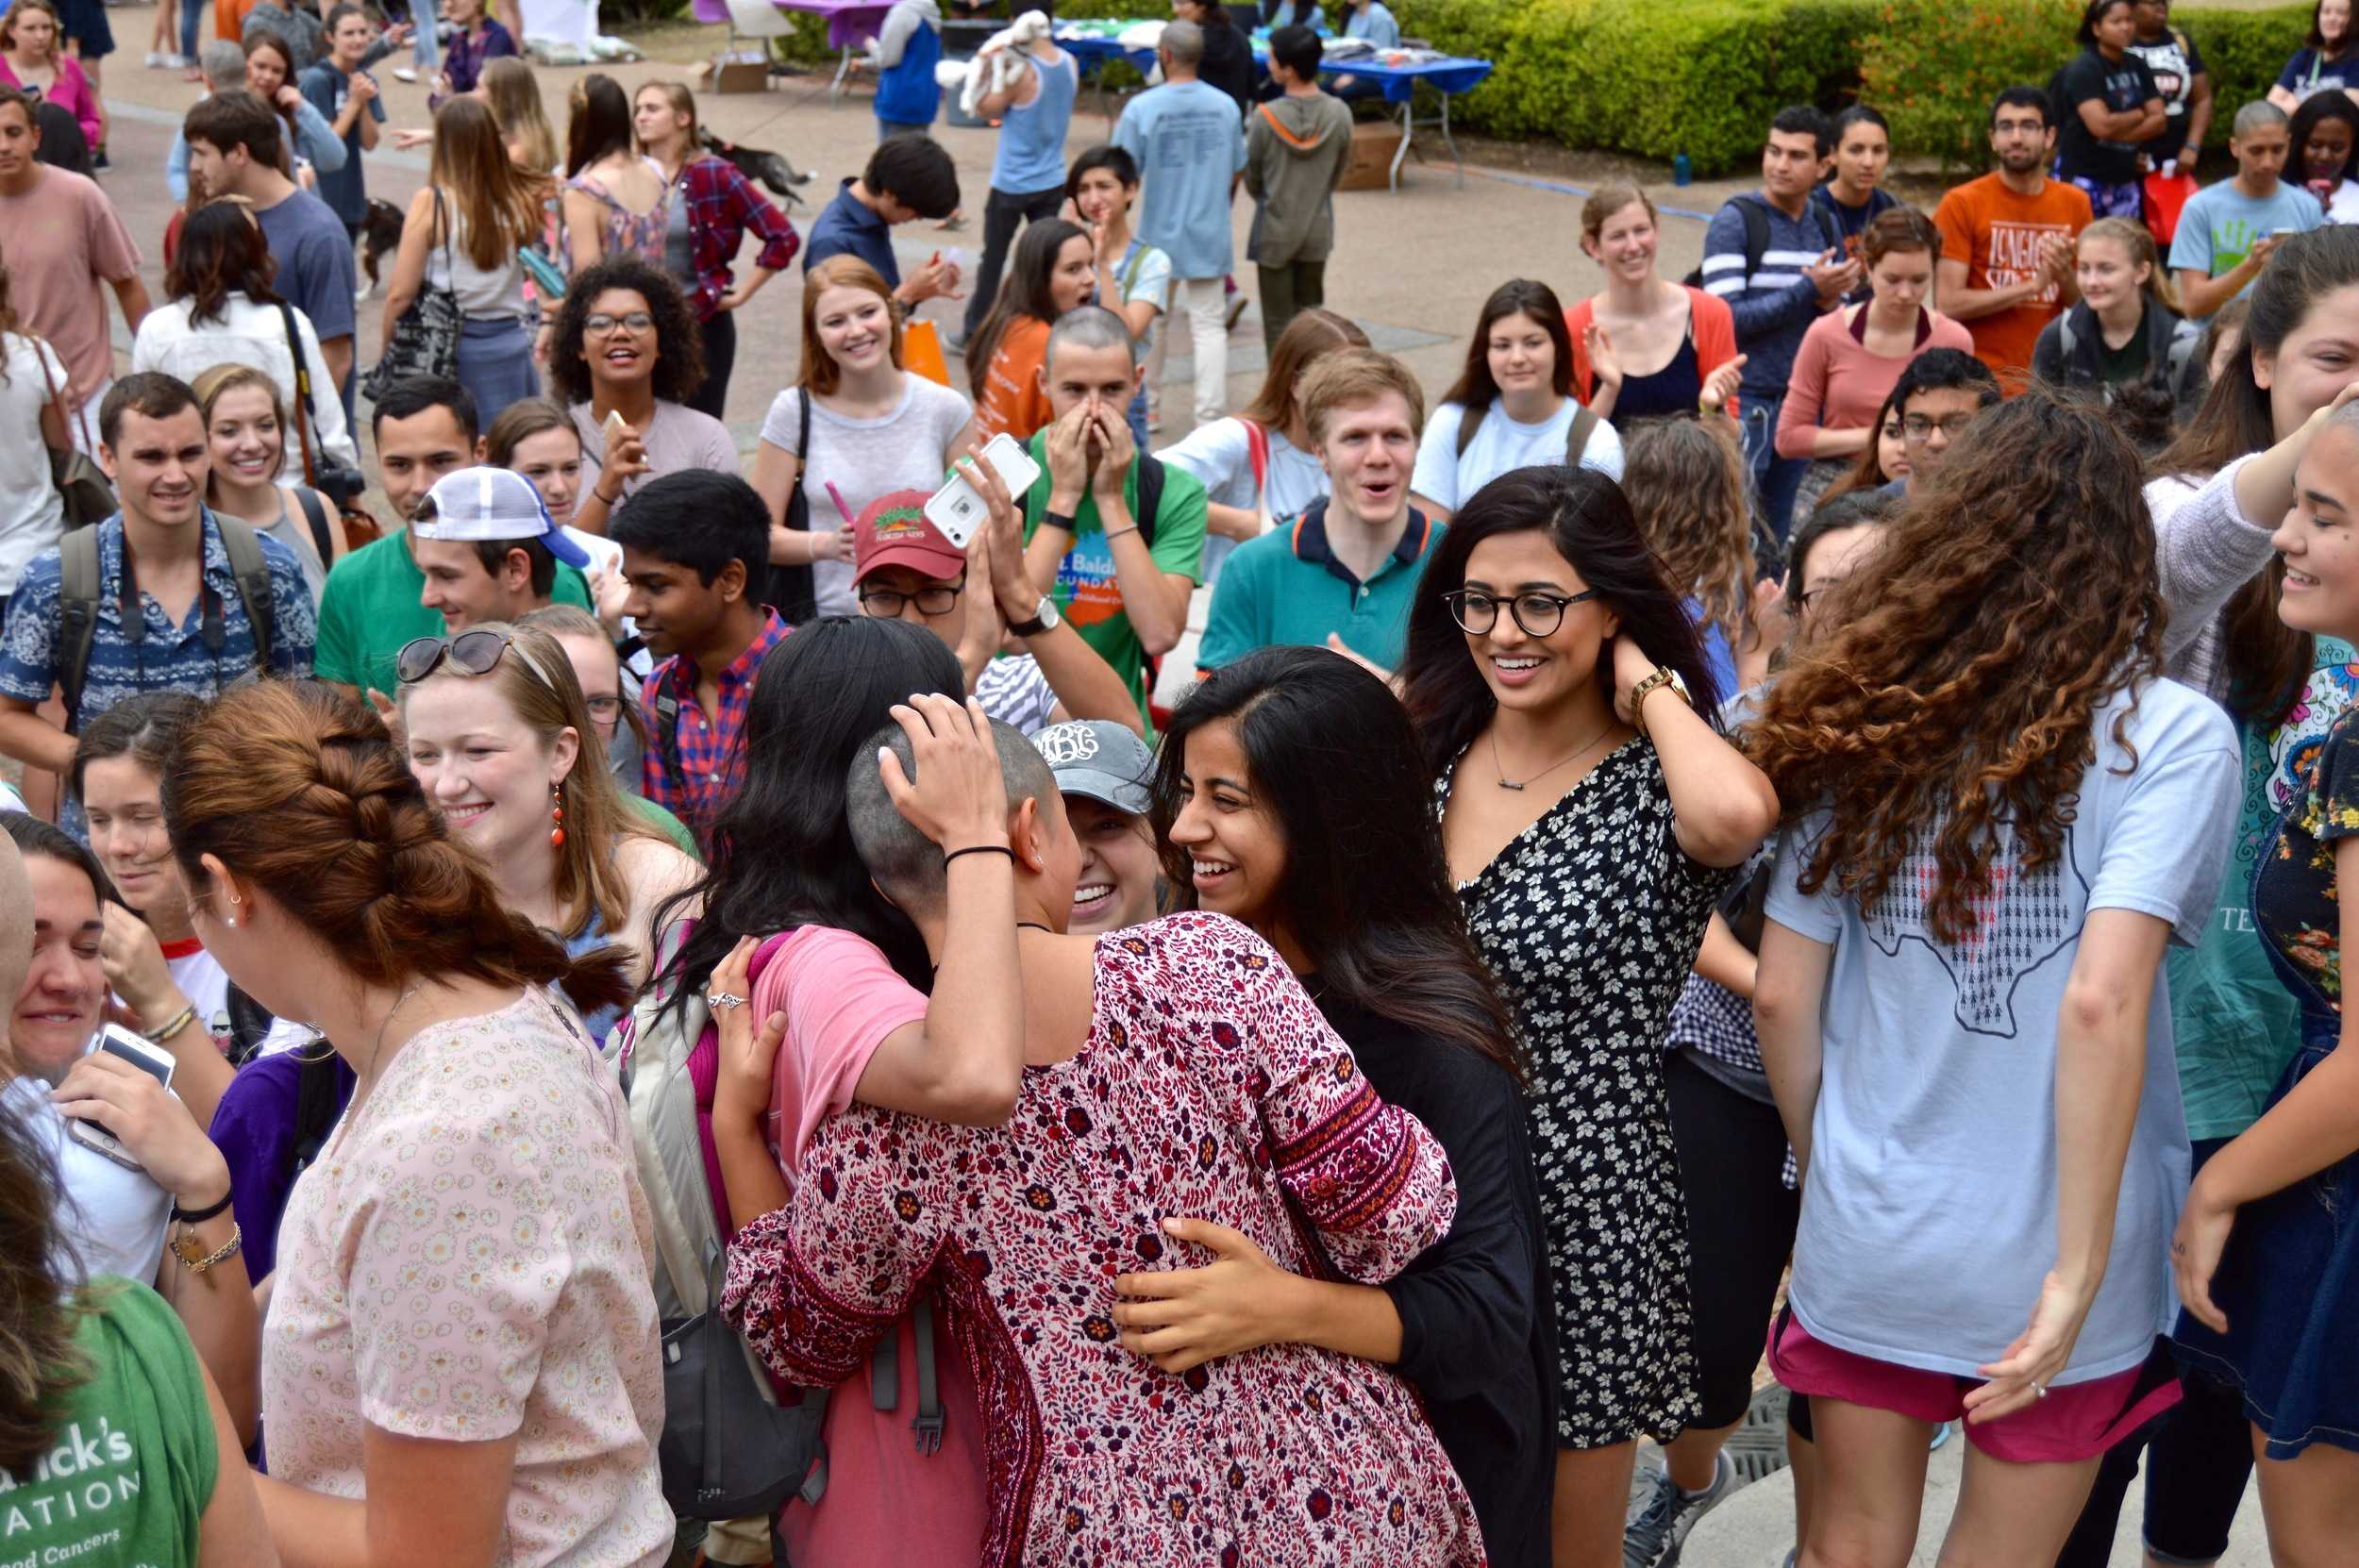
[(1452, 75)]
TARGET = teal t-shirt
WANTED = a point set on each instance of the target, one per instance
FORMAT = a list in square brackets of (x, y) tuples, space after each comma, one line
[(2234, 1022), (1086, 593), (132, 1459), (1284, 587), (369, 608), (2220, 222)]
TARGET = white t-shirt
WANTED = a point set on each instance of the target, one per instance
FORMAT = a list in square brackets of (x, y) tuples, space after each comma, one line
[(1221, 455), (1501, 445), (249, 334), (32, 514), (906, 449), (111, 1220), (2344, 208), (1928, 1217), (203, 981)]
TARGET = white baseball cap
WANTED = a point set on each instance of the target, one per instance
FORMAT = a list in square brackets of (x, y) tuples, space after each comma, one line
[(473, 504)]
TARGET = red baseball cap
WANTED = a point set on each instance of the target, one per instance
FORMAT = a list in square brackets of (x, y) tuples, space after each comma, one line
[(893, 531)]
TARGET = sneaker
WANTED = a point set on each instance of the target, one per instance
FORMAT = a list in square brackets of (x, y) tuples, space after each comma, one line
[(1659, 1521), (953, 343), (157, 59), (1236, 310), (99, 161), (404, 74)]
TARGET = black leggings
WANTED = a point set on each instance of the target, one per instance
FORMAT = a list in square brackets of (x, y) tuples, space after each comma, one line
[(718, 333), (1740, 1228)]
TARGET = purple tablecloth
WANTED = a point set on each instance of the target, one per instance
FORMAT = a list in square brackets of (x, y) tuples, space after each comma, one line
[(850, 23)]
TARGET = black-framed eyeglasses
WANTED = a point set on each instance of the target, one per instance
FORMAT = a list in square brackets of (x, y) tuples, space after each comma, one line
[(471, 653), (1918, 426), (637, 320), (1803, 599), (1539, 614), (935, 599)]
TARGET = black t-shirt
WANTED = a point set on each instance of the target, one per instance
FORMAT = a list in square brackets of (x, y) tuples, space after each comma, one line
[(2122, 84), (2126, 363), (1478, 1323), (1228, 63), (2175, 62)]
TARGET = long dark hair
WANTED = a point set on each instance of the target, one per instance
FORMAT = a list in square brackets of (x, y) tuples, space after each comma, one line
[(783, 854), (2268, 661), (1517, 296), (1589, 522), (599, 123), (1023, 291), (222, 252), (1366, 893)]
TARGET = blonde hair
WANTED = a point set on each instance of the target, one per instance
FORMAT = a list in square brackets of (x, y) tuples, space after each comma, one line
[(1350, 377), (821, 374), (57, 37), (682, 102), (514, 98), (1687, 484), (2135, 239), (471, 166), (539, 687)]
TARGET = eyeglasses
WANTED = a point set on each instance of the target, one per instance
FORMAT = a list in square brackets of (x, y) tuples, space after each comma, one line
[(1538, 614), (638, 320), (1917, 427), (471, 653), (1803, 599), (885, 603), (605, 710)]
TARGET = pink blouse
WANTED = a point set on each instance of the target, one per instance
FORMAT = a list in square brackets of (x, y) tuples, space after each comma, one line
[(1209, 1087), (1838, 384), (69, 91)]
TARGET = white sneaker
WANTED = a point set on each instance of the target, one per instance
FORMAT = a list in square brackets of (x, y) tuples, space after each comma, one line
[(158, 61), (404, 74)]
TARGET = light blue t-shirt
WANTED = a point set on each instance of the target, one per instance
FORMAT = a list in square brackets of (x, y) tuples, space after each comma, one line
[(1189, 142), (1031, 136), (2220, 222), (1929, 1214), (1289, 13), (1376, 25)]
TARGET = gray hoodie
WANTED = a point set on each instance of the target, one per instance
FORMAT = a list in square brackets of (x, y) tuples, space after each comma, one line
[(1296, 152), (901, 22)]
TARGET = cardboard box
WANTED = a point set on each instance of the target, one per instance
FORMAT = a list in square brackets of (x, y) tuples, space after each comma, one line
[(744, 71), (1373, 145)]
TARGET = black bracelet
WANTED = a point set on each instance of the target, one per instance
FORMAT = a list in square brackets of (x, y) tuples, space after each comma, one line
[(979, 849), (1057, 520), (198, 1216)]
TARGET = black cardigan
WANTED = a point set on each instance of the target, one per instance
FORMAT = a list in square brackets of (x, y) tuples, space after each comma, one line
[(1478, 1333), (1229, 63)]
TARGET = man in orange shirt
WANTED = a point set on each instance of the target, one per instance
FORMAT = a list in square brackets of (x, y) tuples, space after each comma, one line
[(2007, 238)]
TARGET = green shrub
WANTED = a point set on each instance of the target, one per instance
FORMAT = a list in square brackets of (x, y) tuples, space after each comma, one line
[(2244, 51)]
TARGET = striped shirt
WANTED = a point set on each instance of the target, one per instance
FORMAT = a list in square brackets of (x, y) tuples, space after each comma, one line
[(1772, 300)]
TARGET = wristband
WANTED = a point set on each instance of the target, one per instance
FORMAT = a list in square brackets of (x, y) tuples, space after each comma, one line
[(198, 1216), (1120, 532), (1057, 519), (979, 849), (180, 1021)]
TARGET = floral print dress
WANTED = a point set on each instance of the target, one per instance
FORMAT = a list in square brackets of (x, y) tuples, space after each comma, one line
[(2293, 893), (1210, 1086), (1590, 920)]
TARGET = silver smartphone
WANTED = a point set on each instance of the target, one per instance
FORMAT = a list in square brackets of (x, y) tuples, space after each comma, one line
[(959, 509), (154, 1060)]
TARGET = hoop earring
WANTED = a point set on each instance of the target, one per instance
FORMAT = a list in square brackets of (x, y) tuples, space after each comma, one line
[(557, 816), (231, 920)]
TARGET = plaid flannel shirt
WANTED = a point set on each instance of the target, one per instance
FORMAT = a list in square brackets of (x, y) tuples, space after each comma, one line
[(711, 763), (722, 206)]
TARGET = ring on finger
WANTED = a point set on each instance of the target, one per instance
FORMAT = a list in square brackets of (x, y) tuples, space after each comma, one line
[(724, 999), (2039, 1389)]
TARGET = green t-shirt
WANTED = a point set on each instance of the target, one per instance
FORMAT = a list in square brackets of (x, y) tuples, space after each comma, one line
[(133, 1462), (664, 823), (1085, 590), (2232, 1022), (370, 607)]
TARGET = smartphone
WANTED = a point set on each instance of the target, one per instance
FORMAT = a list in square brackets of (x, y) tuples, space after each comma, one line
[(959, 509), (612, 428), (155, 1060)]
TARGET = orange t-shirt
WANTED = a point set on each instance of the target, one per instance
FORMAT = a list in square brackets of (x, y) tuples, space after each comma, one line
[(1013, 399), (1997, 233)]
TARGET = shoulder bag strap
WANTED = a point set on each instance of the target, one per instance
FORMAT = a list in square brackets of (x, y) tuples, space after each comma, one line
[(316, 515), (1577, 438), (77, 617), (1469, 421), (251, 569), (303, 409), (40, 357)]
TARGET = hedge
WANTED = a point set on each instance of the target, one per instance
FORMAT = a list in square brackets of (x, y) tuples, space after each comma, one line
[(1659, 77)]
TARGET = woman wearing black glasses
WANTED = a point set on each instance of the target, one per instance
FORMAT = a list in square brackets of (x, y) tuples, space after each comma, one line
[(504, 746), (1592, 814)]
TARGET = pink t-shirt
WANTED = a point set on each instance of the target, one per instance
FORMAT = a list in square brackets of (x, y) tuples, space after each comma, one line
[(887, 1505), (469, 1260), (58, 285), (1838, 384)]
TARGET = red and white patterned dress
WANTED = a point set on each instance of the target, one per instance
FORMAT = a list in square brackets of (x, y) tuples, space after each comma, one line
[(1210, 1087)]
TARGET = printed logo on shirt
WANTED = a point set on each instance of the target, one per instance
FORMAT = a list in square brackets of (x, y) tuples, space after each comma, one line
[(1087, 574), (2231, 241), (77, 1484), (2014, 255), (2026, 920), (2292, 755)]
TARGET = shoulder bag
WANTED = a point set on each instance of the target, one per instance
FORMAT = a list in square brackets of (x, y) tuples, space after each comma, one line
[(425, 341)]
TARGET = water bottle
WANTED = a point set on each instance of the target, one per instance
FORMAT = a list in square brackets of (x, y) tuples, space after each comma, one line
[(1682, 172)]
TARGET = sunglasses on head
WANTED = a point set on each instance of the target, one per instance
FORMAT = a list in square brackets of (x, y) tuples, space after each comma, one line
[(471, 653)]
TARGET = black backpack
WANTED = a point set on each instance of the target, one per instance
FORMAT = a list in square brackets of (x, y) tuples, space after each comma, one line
[(1586, 421), (1755, 212)]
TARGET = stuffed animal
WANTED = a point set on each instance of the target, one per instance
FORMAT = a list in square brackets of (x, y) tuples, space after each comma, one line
[(997, 65)]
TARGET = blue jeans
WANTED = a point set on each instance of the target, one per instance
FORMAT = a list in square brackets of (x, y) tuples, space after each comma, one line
[(495, 361), (189, 17), (1775, 478)]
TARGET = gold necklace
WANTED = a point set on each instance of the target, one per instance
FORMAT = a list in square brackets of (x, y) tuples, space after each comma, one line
[(1501, 769)]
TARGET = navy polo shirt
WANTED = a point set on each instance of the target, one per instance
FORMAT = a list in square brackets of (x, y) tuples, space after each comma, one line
[(849, 227), (1287, 588)]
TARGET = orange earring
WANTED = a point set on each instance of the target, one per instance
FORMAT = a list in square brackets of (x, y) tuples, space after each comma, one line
[(557, 816)]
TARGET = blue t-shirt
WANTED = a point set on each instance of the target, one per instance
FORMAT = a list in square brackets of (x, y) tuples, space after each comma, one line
[(1376, 25), (2308, 72), (346, 189), (1291, 13), (1031, 155), (2220, 224), (316, 272), (849, 227), (1188, 142)]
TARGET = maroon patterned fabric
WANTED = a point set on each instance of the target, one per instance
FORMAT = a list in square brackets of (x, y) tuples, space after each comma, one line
[(1209, 1087)]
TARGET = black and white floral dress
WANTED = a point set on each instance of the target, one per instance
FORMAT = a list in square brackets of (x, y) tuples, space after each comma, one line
[(1590, 920)]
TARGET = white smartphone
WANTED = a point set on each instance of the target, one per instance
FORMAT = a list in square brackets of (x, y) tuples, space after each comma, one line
[(959, 509), (155, 1060)]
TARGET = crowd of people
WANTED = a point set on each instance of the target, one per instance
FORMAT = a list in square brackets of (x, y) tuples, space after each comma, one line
[(483, 965)]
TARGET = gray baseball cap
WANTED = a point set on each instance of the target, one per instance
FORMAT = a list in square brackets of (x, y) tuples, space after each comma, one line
[(1099, 759)]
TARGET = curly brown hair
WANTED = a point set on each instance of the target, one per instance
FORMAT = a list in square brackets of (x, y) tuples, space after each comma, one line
[(679, 363), (1952, 706), (1687, 482)]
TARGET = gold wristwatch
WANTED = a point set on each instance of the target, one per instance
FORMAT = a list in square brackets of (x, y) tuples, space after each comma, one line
[(1638, 694), (191, 1250)]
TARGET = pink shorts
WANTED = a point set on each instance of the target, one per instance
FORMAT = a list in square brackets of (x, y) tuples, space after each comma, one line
[(2076, 1422)]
